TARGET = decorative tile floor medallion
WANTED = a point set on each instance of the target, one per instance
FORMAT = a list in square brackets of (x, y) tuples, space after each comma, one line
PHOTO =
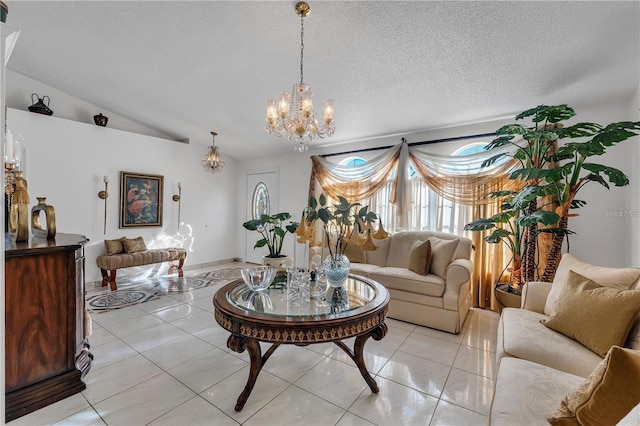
[(224, 274), (118, 299)]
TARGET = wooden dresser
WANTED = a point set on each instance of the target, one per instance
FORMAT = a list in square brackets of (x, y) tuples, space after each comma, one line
[(46, 349)]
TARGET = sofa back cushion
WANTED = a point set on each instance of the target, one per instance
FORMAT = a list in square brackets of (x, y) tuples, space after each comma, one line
[(379, 256), (400, 248), (619, 278)]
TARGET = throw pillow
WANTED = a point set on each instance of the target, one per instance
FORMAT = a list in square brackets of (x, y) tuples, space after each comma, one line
[(598, 317), (607, 396), (441, 254), (113, 247), (621, 278), (420, 257), (355, 253), (134, 245)]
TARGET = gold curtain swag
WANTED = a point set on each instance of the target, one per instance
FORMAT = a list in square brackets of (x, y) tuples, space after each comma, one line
[(355, 183)]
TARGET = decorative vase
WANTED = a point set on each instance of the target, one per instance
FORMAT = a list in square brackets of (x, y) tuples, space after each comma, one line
[(19, 215), (276, 262), (100, 120), (336, 268), (50, 219)]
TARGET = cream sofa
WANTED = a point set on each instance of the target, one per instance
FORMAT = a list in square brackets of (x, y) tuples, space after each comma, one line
[(538, 366), (440, 302)]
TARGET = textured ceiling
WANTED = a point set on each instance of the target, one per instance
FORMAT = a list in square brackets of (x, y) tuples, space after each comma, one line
[(186, 68)]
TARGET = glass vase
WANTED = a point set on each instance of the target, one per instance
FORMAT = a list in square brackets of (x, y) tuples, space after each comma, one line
[(336, 269)]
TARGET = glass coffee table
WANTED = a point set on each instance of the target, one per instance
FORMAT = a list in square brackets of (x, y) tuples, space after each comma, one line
[(357, 309)]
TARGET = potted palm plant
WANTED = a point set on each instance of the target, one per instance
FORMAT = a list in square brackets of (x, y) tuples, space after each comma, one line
[(551, 173), (272, 230)]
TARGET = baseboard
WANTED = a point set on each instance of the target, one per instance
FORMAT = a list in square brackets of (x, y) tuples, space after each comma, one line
[(210, 264)]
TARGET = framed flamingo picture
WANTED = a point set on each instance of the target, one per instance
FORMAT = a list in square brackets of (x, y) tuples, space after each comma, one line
[(140, 200)]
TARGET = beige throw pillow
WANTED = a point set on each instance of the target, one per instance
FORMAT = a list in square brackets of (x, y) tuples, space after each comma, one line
[(134, 245), (420, 257), (113, 247), (598, 317), (620, 278), (608, 394), (441, 254)]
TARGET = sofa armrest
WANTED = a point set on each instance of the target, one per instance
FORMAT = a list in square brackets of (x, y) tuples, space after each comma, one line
[(458, 272), (534, 296)]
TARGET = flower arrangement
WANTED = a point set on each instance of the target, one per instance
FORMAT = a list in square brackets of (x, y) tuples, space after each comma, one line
[(344, 223), (272, 230)]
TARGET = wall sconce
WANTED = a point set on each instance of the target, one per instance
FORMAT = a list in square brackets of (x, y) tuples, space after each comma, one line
[(103, 195), (176, 198)]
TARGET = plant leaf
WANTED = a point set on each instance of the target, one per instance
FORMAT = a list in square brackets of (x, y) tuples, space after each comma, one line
[(616, 177)]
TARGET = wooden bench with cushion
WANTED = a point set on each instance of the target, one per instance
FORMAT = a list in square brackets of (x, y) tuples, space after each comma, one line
[(127, 253)]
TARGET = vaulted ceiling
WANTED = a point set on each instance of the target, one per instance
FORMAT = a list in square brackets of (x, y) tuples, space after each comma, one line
[(186, 68)]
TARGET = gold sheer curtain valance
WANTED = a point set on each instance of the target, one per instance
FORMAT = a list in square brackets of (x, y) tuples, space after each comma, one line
[(462, 179), (355, 183)]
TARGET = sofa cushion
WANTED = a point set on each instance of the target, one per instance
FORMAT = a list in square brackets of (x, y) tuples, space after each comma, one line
[(400, 248), (441, 255), (379, 256), (363, 268), (608, 394), (134, 245), (518, 328), (420, 257), (620, 278), (406, 280), (113, 246), (527, 393), (598, 317)]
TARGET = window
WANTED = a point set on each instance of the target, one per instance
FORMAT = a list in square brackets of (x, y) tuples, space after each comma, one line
[(429, 211), (353, 161), (472, 148)]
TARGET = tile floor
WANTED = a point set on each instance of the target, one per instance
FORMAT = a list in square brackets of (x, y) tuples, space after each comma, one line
[(165, 362)]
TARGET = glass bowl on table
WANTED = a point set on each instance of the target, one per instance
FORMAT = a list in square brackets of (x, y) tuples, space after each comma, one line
[(258, 278)]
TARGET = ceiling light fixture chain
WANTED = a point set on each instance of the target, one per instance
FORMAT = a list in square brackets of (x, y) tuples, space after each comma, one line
[(213, 160), (293, 113), (301, 49)]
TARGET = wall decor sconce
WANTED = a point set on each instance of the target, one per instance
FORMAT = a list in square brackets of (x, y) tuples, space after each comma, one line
[(103, 195), (176, 198)]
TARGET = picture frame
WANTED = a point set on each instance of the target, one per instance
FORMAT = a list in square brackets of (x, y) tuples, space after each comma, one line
[(140, 199)]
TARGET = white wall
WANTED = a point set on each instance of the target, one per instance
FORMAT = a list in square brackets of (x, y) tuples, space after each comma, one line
[(600, 239), (633, 205), (19, 96), (66, 161)]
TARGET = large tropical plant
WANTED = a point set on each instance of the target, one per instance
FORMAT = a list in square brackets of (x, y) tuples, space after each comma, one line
[(554, 172)]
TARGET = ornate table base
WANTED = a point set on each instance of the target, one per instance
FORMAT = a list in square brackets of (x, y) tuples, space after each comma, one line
[(240, 344)]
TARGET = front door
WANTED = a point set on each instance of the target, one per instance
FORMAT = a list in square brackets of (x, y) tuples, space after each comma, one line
[(262, 198)]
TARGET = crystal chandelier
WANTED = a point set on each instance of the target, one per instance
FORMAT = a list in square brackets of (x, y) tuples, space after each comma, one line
[(213, 160), (293, 113)]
